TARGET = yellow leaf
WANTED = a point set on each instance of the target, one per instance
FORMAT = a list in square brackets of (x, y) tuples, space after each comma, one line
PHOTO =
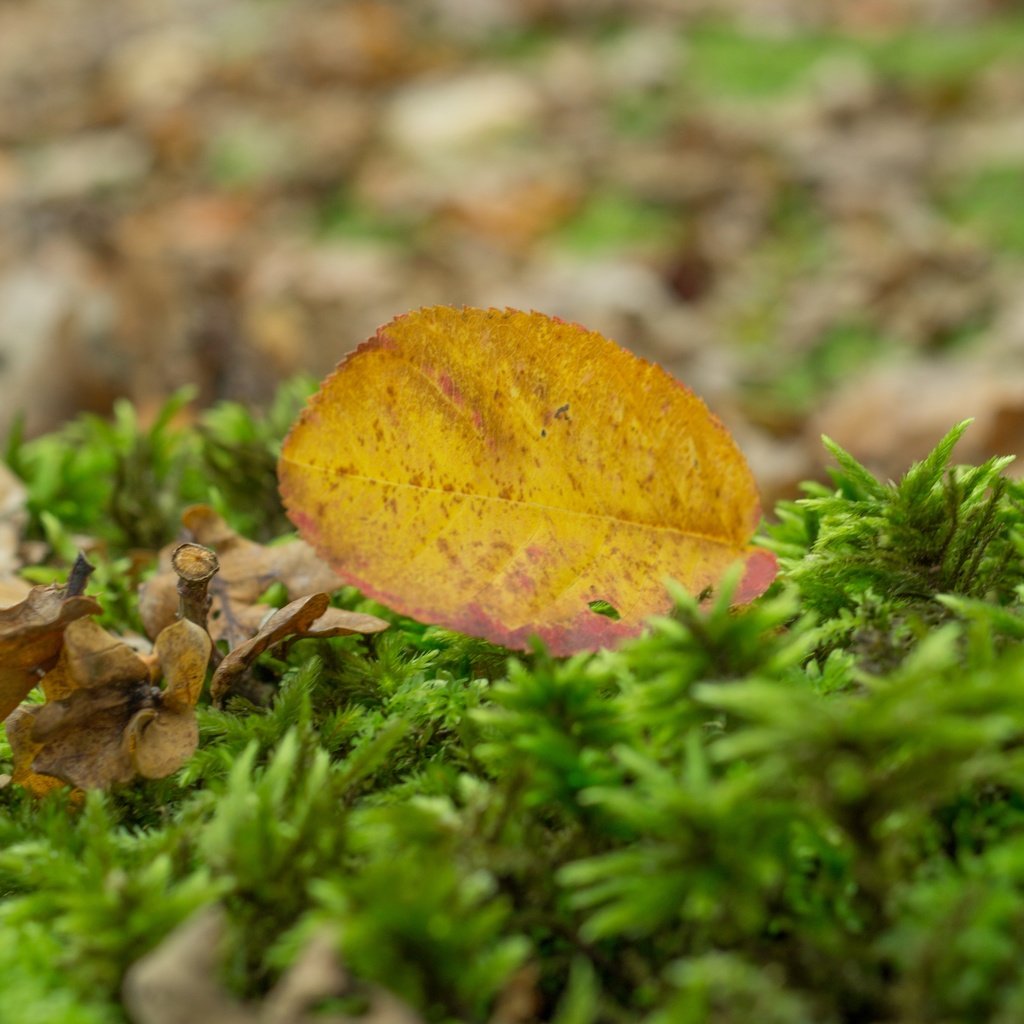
[(497, 472)]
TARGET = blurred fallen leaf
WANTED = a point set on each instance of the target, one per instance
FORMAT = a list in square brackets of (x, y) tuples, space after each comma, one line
[(513, 212), (519, 1000), (890, 416), (177, 983)]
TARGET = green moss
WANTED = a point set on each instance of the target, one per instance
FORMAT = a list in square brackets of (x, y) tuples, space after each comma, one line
[(126, 484), (806, 809)]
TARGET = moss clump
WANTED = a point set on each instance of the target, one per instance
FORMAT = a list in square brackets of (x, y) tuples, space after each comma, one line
[(810, 809)]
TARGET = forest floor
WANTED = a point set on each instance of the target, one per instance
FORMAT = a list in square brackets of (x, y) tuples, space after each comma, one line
[(800, 811)]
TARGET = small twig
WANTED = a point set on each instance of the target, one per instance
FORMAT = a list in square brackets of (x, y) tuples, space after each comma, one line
[(195, 566), (79, 576)]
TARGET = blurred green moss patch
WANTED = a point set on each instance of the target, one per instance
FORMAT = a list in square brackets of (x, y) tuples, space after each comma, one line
[(724, 60), (989, 202)]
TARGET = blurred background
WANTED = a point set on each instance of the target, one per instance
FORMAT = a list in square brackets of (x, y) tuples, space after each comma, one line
[(810, 211)]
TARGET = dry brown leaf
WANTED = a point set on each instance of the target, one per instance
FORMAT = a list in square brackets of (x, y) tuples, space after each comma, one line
[(82, 737), (105, 721), (183, 651), (307, 616), (161, 739), (293, 618), (30, 638), (177, 984), (235, 615), (247, 569), (91, 657), (893, 415), (339, 622)]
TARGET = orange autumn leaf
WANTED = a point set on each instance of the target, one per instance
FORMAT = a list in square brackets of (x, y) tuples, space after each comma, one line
[(498, 472)]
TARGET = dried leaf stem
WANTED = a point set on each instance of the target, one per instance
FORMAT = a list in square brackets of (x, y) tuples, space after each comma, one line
[(195, 566)]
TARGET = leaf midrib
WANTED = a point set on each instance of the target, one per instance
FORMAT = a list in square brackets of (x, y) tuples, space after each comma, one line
[(695, 534)]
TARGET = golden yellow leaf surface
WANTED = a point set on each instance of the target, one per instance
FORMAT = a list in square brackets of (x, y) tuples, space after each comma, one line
[(497, 472)]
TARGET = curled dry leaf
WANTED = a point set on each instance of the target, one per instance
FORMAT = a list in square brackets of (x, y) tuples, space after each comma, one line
[(177, 983), (105, 721), (31, 633), (308, 616), (293, 618), (498, 472), (247, 569), (81, 739)]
